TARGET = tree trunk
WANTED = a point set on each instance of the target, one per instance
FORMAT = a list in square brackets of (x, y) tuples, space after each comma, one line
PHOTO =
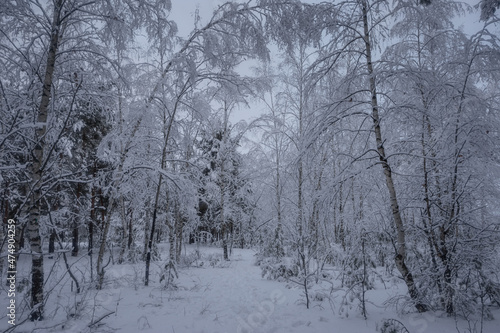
[(178, 237), (2, 243), (102, 246), (224, 243), (147, 229), (90, 225), (428, 219), (278, 239), (400, 258), (124, 238), (341, 228), (36, 171), (222, 187), (4, 217), (106, 214), (300, 208), (130, 241), (74, 242), (242, 238), (52, 241), (171, 242), (152, 233), (75, 247), (158, 188)]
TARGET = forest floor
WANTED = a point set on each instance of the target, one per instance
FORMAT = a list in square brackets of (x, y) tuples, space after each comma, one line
[(215, 296)]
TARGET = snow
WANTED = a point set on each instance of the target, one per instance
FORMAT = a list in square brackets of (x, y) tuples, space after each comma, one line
[(214, 296)]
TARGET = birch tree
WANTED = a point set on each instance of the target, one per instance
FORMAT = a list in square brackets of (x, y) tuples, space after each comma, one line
[(57, 45), (400, 257), (441, 66), (209, 55)]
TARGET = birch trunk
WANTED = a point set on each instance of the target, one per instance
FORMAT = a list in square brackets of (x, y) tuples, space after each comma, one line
[(400, 258), (158, 190), (280, 251), (179, 227), (223, 220), (92, 213), (76, 224), (36, 171)]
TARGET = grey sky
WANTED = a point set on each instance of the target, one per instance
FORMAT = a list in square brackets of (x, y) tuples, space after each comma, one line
[(183, 12)]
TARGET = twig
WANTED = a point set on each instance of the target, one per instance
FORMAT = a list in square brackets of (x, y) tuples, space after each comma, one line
[(100, 318)]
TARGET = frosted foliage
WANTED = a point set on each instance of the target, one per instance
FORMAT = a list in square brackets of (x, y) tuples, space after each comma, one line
[(488, 8), (360, 189)]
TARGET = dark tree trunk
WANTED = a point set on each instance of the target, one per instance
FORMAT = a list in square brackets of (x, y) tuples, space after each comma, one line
[(178, 236), (21, 239), (90, 225), (52, 241), (130, 229), (74, 241), (224, 243), (91, 237), (75, 233)]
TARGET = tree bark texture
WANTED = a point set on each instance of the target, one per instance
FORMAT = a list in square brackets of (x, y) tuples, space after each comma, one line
[(36, 171), (400, 257)]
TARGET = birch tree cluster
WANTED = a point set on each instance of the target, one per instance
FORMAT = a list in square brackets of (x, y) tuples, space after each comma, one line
[(376, 148)]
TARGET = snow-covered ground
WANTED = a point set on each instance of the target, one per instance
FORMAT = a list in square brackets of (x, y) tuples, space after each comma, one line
[(214, 296)]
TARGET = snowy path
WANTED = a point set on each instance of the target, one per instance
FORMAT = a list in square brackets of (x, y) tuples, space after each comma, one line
[(214, 299), (235, 299), (229, 299)]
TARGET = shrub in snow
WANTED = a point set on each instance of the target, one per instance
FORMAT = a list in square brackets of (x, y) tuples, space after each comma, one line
[(217, 261), (191, 259), (278, 269), (168, 276), (319, 296), (393, 326)]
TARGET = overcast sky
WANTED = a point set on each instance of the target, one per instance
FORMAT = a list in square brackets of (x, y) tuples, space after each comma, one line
[(183, 12)]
